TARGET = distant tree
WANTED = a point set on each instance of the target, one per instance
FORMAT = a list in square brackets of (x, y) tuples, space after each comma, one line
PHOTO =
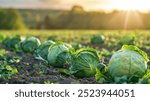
[(10, 19), (47, 23), (38, 25), (77, 8), (78, 18)]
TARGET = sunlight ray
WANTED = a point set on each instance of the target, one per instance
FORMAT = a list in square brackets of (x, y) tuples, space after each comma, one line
[(134, 18)]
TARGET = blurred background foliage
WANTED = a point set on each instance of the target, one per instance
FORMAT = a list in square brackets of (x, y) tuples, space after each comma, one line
[(76, 18)]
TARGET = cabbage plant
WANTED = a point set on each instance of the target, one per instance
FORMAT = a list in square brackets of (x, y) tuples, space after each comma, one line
[(128, 62), (76, 46), (60, 54), (85, 63), (42, 51), (12, 43), (97, 39), (127, 40), (30, 44)]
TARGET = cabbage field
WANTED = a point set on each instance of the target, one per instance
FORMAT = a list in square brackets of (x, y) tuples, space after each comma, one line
[(75, 57)]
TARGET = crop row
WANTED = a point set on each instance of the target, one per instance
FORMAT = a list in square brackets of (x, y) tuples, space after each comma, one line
[(128, 65)]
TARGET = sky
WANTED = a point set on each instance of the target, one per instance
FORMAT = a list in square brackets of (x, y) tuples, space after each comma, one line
[(141, 5)]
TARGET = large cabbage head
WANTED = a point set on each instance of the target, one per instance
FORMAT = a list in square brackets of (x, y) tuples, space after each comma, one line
[(30, 44), (42, 51), (85, 63), (128, 62), (60, 54)]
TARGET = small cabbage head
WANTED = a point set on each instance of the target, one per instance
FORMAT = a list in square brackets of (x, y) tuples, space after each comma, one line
[(53, 37), (97, 39), (128, 62), (60, 54), (76, 46), (12, 43), (127, 40), (85, 63), (42, 51), (30, 44)]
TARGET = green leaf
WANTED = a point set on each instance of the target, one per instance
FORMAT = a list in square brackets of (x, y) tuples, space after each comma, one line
[(147, 75), (8, 67), (99, 75), (93, 51), (134, 48), (2, 51), (14, 71), (64, 72)]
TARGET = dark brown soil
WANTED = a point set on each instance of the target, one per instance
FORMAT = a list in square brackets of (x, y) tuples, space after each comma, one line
[(31, 70)]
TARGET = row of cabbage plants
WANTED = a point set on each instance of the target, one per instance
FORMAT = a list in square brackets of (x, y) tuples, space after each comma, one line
[(127, 65)]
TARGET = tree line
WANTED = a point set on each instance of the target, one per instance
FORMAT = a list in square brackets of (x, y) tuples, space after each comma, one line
[(76, 18)]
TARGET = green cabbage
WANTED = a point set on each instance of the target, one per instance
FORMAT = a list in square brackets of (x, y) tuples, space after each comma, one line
[(127, 40), (42, 51), (86, 61), (12, 43), (76, 46), (30, 44), (97, 39), (60, 54), (128, 62)]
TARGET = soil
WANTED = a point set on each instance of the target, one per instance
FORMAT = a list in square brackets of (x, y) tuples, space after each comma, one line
[(33, 71)]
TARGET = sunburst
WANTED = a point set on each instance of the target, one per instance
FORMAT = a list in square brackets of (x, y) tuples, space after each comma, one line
[(130, 5)]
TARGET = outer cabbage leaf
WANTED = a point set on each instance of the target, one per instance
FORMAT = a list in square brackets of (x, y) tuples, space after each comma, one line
[(134, 48)]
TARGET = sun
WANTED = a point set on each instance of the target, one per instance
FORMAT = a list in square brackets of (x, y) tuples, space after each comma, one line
[(140, 5)]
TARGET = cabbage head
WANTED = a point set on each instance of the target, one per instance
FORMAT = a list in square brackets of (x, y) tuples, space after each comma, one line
[(85, 63), (128, 62), (127, 40), (97, 39), (42, 51), (30, 44), (76, 46), (12, 43), (60, 54)]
